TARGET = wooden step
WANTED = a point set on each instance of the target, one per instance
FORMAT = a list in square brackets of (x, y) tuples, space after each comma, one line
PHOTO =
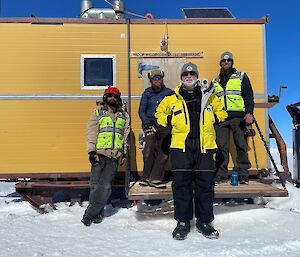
[(223, 190)]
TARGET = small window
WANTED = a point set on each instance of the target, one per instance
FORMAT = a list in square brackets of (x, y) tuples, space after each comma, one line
[(98, 71)]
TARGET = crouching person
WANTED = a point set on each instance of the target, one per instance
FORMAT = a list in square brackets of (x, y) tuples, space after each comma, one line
[(192, 110), (107, 131)]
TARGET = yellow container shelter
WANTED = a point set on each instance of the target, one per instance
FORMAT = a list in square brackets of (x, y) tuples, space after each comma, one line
[(50, 81)]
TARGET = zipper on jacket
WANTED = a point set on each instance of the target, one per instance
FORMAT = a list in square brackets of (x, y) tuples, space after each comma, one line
[(184, 110)]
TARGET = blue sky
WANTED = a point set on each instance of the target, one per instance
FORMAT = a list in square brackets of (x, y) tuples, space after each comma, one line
[(282, 35)]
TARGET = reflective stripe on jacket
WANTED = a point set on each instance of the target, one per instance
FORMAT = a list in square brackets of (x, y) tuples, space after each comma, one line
[(231, 97), (111, 133), (175, 106)]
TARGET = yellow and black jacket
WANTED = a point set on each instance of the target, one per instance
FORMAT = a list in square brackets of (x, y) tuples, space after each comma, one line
[(235, 92), (175, 107)]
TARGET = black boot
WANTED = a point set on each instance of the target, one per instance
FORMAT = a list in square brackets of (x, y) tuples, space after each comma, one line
[(158, 184), (207, 230), (220, 179), (86, 220), (244, 179), (98, 219), (181, 231), (144, 182)]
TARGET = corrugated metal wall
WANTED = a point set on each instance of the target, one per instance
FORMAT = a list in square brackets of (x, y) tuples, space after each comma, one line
[(42, 136), (245, 41), (49, 135), (45, 59)]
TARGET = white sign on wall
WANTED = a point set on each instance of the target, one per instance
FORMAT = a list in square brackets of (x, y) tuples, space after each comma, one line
[(170, 66)]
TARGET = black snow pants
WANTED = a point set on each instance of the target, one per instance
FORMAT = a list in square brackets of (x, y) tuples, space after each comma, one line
[(193, 182), (237, 126)]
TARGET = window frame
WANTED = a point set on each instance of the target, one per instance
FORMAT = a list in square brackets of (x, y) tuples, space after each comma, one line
[(99, 56)]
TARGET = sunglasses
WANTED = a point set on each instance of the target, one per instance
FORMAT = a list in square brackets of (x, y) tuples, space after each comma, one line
[(226, 60), (111, 95), (186, 73)]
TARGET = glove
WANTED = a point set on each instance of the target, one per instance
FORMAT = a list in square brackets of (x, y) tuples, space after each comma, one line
[(93, 158), (149, 130), (141, 140), (249, 132)]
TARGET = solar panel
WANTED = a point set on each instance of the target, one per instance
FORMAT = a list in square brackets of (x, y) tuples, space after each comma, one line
[(207, 13)]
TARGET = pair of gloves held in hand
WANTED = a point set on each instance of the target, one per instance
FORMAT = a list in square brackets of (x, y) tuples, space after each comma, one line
[(94, 159)]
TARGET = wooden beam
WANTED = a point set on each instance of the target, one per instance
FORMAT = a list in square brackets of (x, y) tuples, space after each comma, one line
[(224, 190)]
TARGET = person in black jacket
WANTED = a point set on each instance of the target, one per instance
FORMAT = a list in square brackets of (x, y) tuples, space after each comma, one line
[(234, 89), (156, 136)]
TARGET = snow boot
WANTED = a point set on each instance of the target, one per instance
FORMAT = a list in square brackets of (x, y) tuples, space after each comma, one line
[(144, 182), (98, 219), (207, 230), (220, 179), (181, 231), (158, 184), (244, 179), (86, 220)]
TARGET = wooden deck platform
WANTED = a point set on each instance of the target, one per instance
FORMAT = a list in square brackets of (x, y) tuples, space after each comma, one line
[(224, 190)]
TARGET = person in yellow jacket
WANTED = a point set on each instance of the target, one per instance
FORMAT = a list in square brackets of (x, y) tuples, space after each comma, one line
[(107, 132), (192, 110)]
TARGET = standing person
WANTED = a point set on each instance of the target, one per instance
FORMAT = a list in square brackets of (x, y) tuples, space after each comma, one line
[(154, 154), (192, 110), (234, 89), (107, 131)]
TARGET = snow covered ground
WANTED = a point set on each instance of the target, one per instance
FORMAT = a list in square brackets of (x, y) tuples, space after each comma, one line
[(269, 230)]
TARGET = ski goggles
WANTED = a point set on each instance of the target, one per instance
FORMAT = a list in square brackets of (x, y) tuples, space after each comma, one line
[(156, 77)]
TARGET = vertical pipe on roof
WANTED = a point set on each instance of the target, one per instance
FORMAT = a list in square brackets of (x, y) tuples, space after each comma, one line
[(87, 10), (85, 5), (118, 6)]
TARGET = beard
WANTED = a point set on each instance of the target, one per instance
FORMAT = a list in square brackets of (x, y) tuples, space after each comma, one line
[(226, 72), (190, 85), (156, 88), (113, 102)]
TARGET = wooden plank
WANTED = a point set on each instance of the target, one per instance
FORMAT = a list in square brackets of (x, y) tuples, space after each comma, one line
[(224, 190)]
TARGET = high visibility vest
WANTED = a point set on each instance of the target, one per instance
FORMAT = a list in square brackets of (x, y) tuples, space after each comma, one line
[(111, 133), (231, 97)]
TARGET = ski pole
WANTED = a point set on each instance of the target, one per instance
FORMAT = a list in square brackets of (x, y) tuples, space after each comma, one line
[(254, 151), (269, 153)]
